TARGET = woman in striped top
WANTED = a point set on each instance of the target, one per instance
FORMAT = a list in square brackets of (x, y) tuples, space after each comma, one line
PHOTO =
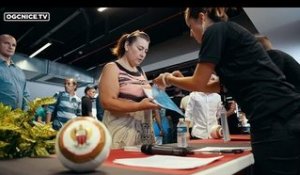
[(128, 112)]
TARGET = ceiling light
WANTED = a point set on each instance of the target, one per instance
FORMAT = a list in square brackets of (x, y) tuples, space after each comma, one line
[(40, 50), (101, 9)]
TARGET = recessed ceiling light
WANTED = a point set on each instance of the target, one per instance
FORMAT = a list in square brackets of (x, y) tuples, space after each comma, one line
[(101, 9)]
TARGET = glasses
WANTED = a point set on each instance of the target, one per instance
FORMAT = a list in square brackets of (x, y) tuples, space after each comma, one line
[(70, 83)]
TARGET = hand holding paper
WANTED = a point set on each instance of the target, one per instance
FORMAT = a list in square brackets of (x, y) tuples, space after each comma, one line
[(162, 98)]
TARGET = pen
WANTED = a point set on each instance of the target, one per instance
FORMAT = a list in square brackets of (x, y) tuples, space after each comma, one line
[(234, 151)]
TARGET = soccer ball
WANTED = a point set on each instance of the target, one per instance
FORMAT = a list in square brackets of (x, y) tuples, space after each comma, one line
[(83, 144)]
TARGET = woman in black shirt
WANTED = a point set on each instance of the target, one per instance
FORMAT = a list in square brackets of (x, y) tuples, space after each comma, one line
[(253, 80)]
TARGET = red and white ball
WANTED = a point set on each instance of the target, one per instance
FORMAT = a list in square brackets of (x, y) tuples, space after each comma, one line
[(83, 144), (216, 132)]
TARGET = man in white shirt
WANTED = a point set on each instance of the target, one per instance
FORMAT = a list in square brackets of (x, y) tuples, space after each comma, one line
[(202, 109)]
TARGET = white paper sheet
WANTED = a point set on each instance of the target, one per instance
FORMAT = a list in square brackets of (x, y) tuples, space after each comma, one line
[(168, 162), (216, 149)]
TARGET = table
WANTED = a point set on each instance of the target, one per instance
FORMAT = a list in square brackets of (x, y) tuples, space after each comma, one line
[(229, 164)]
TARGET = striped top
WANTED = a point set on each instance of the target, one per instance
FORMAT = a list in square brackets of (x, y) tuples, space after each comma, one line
[(132, 128), (69, 106), (131, 84)]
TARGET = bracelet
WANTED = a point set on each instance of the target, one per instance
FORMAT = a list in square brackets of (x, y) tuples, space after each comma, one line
[(164, 80)]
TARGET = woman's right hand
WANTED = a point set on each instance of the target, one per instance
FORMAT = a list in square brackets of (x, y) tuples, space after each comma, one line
[(177, 73), (160, 81)]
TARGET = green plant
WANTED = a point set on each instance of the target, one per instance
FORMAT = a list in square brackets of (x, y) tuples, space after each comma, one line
[(20, 136)]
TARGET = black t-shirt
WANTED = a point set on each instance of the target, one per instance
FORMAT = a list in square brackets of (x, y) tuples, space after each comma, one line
[(248, 73), (86, 105), (288, 65)]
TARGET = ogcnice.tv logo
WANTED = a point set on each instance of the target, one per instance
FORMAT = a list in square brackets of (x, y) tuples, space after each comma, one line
[(26, 16)]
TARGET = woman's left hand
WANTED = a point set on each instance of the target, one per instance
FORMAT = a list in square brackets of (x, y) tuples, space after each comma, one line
[(148, 103)]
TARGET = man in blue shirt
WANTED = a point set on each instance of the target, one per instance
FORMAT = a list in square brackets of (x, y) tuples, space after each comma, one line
[(13, 90)]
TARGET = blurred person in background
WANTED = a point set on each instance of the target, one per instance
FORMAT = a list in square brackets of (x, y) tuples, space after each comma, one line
[(87, 101), (203, 109), (67, 106), (285, 62), (13, 88), (41, 114)]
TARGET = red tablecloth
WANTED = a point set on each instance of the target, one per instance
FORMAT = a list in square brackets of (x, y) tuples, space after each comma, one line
[(120, 153), (241, 137)]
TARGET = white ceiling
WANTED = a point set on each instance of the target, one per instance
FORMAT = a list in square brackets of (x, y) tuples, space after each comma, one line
[(281, 25)]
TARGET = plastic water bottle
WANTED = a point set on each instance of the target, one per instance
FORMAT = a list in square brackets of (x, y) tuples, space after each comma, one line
[(182, 133), (158, 140), (224, 124)]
